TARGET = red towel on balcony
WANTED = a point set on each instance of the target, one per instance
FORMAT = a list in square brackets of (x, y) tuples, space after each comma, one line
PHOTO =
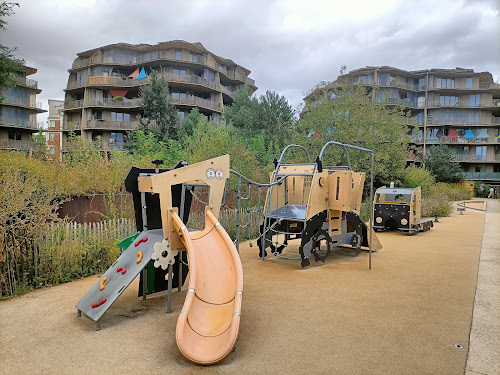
[(134, 74)]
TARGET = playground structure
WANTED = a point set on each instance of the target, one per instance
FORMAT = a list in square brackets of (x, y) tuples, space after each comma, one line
[(318, 204), (400, 208), (208, 325)]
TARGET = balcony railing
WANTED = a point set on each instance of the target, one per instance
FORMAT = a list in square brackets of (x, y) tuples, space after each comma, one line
[(23, 103), (489, 85), (458, 140), (27, 82), (71, 104), (435, 120), (198, 102), (76, 84), (467, 157), (10, 144), (398, 101), (228, 92), (113, 102), (482, 175), (112, 125), (188, 78), (116, 81), (466, 104), (74, 126), (18, 122)]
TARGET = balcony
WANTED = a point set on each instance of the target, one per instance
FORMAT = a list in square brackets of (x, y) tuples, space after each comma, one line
[(114, 102), (197, 102), (73, 104), (467, 157), (466, 104), (18, 122), (76, 84), (228, 92), (33, 104), (10, 144), (482, 175), (112, 125), (23, 81), (489, 85), (398, 101), (187, 78), (74, 126), (116, 81), (435, 120), (460, 140)]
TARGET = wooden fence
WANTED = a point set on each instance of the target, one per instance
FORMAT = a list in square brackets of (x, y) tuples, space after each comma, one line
[(97, 233)]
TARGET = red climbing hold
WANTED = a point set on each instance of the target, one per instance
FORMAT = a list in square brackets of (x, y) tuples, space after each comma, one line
[(97, 304), (122, 270), (145, 239), (326, 198), (327, 220)]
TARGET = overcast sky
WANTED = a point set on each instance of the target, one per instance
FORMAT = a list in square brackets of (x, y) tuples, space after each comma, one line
[(289, 46)]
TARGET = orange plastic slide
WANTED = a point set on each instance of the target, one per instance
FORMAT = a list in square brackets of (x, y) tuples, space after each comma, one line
[(208, 325)]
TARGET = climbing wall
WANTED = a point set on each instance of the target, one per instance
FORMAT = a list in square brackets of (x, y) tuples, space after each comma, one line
[(119, 276)]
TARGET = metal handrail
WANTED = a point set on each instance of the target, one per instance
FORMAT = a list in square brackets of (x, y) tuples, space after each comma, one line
[(290, 146)]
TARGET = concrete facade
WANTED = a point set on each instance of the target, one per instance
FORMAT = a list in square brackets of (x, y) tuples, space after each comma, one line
[(102, 99), (54, 134), (18, 113), (445, 104)]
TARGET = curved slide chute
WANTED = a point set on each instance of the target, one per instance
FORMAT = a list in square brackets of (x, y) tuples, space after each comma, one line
[(208, 325)]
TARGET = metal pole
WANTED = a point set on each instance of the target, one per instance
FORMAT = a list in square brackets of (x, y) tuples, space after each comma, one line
[(169, 292), (224, 204), (238, 215), (183, 201), (248, 217), (371, 214), (144, 227)]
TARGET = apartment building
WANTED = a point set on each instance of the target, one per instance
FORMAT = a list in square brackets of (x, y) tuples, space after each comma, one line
[(54, 132), (102, 94), (456, 107), (18, 113)]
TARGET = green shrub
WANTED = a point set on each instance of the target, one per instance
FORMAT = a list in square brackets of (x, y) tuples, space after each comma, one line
[(439, 206), (451, 192), (414, 177), (481, 190)]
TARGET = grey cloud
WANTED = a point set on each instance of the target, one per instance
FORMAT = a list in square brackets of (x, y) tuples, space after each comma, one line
[(410, 35)]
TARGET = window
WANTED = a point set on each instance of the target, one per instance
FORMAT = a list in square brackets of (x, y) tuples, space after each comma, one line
[(448, 100), (468, 83), (116, 141), (98, 116), (367, 80), (215, 118), (179, 71), (52, 136), (179, 94), (445, 83), (180, 115), (52, 150), (382, 79), (480, 168), (480, 152), (120, 116), (52, 123), (178, 54), (14, 136), (474, 100), (195, 58), (392, 80)]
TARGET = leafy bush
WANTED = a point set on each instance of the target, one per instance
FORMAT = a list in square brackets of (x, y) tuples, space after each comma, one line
[(439, 206), (481, 190), (414, 177), (450, 192)]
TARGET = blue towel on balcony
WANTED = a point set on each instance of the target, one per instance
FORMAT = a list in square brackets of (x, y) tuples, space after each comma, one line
[(142, 74)]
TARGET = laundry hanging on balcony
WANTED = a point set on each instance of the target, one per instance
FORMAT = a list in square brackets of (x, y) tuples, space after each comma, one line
[(439, 133), (452, 134), (134, 74), (483, 134), (469, 134), (142, 74), (118, 92)]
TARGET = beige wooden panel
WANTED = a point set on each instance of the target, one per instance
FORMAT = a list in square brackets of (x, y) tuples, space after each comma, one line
[(416, 206), (335, 222), (340, 190), (316, 201), (212, 172), (296, 169), (358, 180), (277, 196)]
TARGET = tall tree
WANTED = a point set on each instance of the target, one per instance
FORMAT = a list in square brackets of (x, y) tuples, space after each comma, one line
[(189, 123), (349, 115), (160, 115), (10, 66), (440, 162), (276, 117)]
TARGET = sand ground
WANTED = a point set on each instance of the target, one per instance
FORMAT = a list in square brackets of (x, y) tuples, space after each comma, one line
[(402, 317)]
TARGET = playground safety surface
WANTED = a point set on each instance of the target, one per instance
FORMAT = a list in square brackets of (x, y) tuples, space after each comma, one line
[(401, 317)]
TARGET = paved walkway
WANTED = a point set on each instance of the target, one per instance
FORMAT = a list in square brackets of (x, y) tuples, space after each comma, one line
[(484, 342)]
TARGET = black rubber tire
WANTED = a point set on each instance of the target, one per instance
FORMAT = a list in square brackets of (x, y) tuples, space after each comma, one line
[(319, 235)]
